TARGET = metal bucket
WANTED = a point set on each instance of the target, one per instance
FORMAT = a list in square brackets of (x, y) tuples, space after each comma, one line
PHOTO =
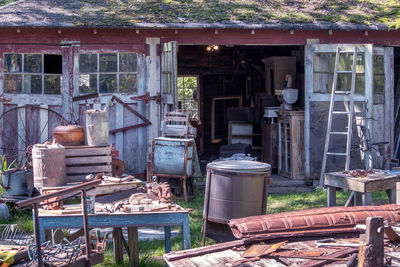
[(15, 183), (49, 166), (97, 128), (236, 188), (4, 212)]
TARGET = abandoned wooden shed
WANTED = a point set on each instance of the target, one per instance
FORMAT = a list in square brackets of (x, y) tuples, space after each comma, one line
[(59, 58)]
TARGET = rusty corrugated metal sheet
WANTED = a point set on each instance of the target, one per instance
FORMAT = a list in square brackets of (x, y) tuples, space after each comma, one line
[(311, 221)]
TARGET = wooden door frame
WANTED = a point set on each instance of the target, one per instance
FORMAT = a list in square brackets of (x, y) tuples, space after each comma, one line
[(310, 96)]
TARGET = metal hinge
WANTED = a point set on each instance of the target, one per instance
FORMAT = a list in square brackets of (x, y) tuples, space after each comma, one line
[(147, 98)]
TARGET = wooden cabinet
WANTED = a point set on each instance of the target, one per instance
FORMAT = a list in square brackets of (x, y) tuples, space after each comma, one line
[(270, 144), (291, 144), (276, 69)]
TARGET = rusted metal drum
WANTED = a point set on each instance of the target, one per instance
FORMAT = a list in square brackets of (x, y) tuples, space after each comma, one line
[(49, 167), (97, 128), (69, 135), (237, 188)]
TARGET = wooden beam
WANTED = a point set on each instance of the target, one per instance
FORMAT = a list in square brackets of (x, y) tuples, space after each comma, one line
[(117, 245), (133, 246), (371, 253)]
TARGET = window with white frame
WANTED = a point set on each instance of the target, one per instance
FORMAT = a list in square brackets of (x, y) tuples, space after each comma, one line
[(108, 73), (187, 95), (32, 73)]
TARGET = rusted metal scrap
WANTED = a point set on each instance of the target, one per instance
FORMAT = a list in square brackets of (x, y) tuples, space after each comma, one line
[(259, 250), (311, 222), (161, 190), (359, 173)]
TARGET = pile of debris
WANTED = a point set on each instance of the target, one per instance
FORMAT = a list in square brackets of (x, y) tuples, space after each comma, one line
[(316, 237)]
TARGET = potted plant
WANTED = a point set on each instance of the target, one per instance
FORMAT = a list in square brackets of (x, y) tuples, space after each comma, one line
[(15, 177)]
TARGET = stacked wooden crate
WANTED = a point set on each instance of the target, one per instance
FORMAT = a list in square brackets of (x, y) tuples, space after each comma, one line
[(84, 160)]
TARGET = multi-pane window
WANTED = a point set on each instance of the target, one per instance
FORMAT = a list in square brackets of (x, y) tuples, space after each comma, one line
[(32, 73), (108, 73), (324, 67), (187, 99)]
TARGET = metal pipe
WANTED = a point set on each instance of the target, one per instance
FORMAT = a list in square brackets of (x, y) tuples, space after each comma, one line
[(37, 233), (72, 189), (85, 226)]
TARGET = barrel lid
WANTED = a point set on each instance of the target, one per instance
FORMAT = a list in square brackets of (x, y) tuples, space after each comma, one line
[(240, 165)]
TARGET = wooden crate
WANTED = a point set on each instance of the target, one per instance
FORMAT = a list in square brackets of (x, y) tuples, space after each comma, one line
[(84, 160)]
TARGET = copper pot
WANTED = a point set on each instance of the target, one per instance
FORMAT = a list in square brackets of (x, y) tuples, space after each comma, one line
[(69, 135)]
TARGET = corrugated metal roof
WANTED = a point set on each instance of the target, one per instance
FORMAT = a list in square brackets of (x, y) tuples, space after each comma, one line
[(202, 14)]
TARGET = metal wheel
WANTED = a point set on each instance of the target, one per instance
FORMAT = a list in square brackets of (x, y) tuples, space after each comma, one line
[(19, 134)]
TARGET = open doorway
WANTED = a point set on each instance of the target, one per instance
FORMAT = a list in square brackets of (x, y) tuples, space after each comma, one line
[(235, 88)]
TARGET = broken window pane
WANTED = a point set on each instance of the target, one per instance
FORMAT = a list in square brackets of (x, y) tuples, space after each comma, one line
[(108, 62), (12, 83), (52, 64), (87, 83), (127, 62), (12, 63), (107, 83), (33, 84), (52, 84), (127, 83), (87, 63), (33, 63)]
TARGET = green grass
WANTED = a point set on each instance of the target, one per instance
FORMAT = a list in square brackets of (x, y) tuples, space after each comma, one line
[(151, 251)]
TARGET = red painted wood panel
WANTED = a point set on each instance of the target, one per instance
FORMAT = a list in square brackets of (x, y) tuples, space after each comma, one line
[(128, 38)]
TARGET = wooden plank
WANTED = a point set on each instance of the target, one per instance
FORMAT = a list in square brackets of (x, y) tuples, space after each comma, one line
[(117, 245), (371, 251), (336, 254), (119, 123), (44, 124), (87, 151), (130, 141), (153, 87), (79, 177), (88, 160), (89, 169), (21, 130), (133, 246)]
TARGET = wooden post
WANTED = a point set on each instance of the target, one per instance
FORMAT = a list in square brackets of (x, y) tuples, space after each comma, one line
[(331, 196), (133, 246), (371, 244), (117, 244)]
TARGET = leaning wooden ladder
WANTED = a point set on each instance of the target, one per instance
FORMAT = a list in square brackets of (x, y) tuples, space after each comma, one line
[(333, 112)]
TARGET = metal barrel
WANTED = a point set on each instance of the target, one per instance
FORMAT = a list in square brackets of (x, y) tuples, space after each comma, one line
[(173, 156), (97, 133), (237, 188), (49, 166)]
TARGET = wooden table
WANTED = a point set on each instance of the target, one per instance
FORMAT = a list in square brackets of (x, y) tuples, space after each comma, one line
[(118, 220), (361, 186)]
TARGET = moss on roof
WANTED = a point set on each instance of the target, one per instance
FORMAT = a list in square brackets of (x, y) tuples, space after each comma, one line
[(129, 12), (253, 11)]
